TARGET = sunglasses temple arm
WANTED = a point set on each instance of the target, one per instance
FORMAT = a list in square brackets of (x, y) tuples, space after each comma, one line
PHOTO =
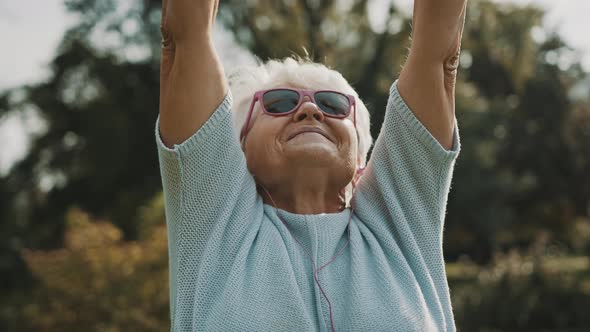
[(245, 128), (354, 110)]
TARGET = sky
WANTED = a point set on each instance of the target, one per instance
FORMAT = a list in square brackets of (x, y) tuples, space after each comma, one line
[(30, 31)]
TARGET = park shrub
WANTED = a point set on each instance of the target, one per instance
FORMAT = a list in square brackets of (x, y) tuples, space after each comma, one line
[(97, 281), (524, 291)]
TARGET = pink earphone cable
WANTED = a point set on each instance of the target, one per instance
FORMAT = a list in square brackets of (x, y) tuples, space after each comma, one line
[(315, 269)]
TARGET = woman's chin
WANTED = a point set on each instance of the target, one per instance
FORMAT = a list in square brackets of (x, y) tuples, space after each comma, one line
[(320, 149)]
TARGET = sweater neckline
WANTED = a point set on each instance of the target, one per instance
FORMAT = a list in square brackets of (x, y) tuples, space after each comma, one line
[(321, 234), (309, 217)]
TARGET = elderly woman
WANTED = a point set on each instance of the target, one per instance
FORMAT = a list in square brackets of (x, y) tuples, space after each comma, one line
[(271, 226)]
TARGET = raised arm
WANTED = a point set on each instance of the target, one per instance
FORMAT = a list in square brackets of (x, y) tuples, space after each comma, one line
[(192, 81), (427, 80)]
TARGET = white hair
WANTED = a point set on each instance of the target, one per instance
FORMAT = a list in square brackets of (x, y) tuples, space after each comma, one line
[(246, 80)]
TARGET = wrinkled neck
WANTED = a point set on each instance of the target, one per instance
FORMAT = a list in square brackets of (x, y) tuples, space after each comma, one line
[(304, 198)]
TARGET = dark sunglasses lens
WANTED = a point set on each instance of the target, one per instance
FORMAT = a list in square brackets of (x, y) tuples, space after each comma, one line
[(280, 101), (333, 103)]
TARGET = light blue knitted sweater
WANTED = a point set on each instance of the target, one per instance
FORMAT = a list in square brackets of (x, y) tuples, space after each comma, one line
[(234, 266)]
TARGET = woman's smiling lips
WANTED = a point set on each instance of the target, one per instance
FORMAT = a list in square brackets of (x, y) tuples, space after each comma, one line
[(308, 130)]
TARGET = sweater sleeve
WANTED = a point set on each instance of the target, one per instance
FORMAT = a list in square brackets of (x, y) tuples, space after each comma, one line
[(403, 192), (209, 198)]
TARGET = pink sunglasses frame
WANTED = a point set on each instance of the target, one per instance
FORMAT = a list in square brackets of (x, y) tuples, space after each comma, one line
[(302, 93)]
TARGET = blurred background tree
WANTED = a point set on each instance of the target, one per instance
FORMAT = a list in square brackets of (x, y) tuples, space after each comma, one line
[(521, 186), (92, 283)]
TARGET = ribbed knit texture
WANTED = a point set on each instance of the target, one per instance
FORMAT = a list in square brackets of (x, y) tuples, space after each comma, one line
[(234, 266)]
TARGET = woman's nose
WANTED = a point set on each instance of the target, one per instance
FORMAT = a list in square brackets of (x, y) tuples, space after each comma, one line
[(308, 109)]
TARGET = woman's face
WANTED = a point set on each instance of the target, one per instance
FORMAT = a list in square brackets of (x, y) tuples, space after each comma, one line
[(275, 155)]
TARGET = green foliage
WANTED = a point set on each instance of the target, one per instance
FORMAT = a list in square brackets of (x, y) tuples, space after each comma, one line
[(532, 291), (523, 168), (97, 151), (98, 282)]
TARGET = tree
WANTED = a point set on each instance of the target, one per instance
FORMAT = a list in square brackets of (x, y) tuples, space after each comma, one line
[(98, 282)]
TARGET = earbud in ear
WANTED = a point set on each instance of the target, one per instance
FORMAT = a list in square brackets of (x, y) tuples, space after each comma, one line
[(360, 170)]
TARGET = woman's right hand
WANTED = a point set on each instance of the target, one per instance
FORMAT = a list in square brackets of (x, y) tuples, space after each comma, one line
[(186, 20)]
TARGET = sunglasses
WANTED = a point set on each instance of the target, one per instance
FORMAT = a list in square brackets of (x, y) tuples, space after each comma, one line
[(285, 101)]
